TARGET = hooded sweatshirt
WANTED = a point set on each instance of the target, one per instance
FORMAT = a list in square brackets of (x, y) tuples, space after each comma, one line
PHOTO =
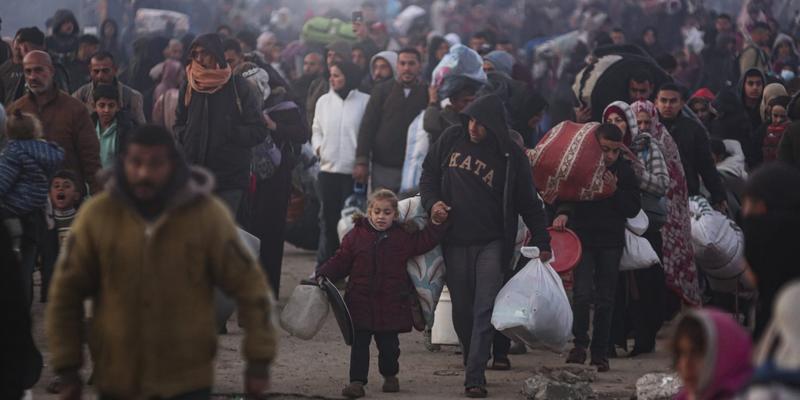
[(792, 61), (733, 124), (755, 112), (501, 61), (390, 57), (726, 363), (487, 184), (63, 47)]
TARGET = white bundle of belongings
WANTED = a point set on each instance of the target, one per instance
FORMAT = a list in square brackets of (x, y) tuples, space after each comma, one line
[(306, 311), (426, 271), (417, 144), (150, 20), (533, 307), (718, 247), (638, 252)]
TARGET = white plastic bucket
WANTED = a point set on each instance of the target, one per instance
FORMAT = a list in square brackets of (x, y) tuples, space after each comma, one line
[(443, 331)]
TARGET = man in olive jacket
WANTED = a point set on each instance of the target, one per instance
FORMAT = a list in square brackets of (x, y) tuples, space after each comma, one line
[(149, 251)]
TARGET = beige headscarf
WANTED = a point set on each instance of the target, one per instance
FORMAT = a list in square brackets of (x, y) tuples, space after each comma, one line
[(771, 91), (783, 330)]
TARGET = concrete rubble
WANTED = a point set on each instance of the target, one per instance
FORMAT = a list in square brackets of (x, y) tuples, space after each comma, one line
[(567, 383), (658, 386)]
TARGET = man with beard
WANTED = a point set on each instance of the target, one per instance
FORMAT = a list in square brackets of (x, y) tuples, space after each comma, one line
[(382, 135), (149, 250), (65, 120), (313, 68), (103, 70), (771, 215), (382, 68), (218, 120)]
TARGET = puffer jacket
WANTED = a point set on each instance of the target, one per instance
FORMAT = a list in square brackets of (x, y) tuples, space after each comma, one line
[(25, 170), (379, 291), (153, 333), (335, 130)]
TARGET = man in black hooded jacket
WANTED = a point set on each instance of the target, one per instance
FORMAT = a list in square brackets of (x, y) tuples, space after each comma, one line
[(482, 181), (218, 119)]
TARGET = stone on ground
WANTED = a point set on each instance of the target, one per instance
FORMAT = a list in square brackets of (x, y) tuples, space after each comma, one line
[(659, 386)]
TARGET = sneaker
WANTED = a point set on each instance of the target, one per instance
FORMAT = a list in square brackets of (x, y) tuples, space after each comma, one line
[(354, 390), (577, 356), (601, 364), (391, 384)]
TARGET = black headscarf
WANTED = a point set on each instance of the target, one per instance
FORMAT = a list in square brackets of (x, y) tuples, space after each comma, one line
[(351, 77)]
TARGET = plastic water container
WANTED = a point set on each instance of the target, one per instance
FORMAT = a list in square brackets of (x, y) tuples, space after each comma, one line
[(443, 331), (305, 312)]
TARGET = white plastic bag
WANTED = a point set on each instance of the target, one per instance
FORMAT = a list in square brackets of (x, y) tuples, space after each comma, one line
[(533, 307), (718, 247), (638, 224), (417, 144), (460, 60), (305, 312), (638, 253)]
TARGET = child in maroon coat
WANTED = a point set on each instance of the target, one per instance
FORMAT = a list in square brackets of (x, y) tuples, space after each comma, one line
[(374, 256)]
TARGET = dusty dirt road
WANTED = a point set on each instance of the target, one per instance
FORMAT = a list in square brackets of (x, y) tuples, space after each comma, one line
[(319, 368)]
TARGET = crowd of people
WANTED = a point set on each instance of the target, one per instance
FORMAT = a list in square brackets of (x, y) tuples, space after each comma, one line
[(130, 156)]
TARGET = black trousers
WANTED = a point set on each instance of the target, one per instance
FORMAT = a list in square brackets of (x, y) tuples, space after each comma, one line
[(333, 191), (388, 354), (595, 283), (265, 218), (639, 304)]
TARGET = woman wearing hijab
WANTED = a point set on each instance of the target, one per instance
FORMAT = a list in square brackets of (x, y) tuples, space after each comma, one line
[(166, 94), (777, 357), (437, 48), (334, 139), (643, 289), (754, 148), (677, 257), (109, 41), (785, 56), (711, 354)]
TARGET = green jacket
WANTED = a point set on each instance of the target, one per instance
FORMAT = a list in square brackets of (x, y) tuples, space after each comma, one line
[(152, 284)]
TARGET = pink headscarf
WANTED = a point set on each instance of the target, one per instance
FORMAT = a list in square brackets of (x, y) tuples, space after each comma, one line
[(170, 77), (678, 256), (727, 365)]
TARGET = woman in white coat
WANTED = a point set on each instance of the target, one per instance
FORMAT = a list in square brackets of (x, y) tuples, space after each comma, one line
[(334, 138)]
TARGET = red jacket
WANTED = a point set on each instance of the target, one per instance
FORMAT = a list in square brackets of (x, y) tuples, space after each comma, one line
[(379, 291)]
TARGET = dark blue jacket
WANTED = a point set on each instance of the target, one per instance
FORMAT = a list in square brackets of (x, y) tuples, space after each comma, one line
[(25, 170)]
